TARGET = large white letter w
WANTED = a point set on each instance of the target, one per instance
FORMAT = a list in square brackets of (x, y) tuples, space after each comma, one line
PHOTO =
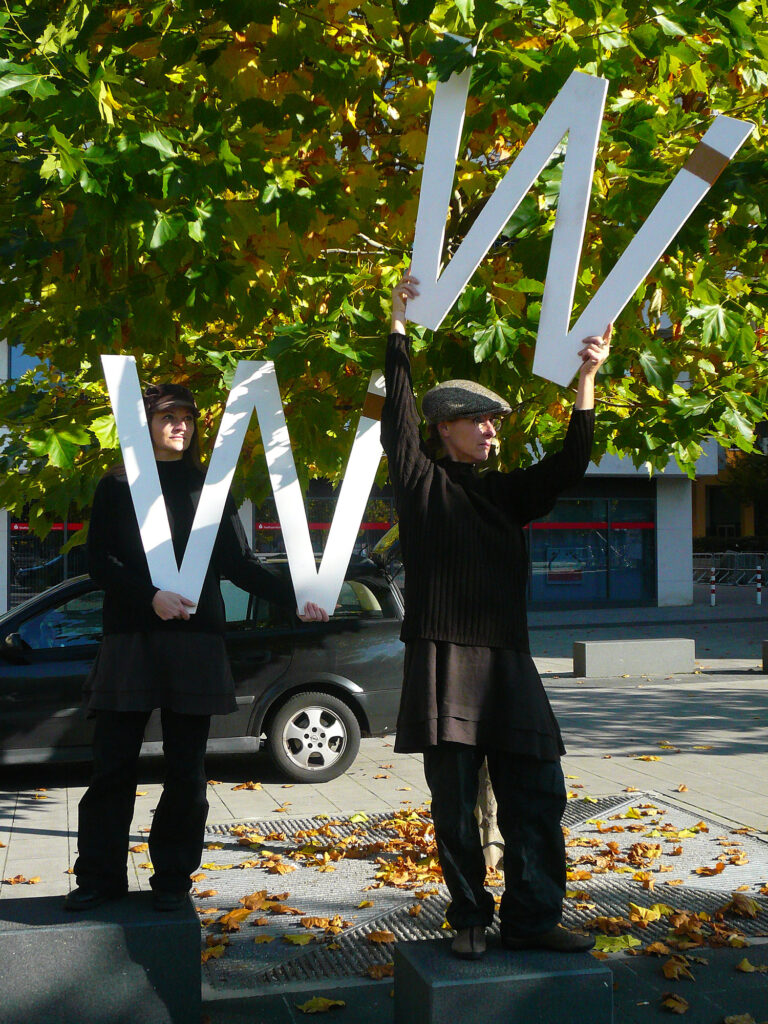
[(254, 387), (577, 112)]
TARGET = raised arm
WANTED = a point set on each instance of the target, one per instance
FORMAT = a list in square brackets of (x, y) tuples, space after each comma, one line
[(400, 435), (532, 492)]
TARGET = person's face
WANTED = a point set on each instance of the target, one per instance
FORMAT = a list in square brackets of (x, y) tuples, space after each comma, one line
[(172, 431), (470, 438)]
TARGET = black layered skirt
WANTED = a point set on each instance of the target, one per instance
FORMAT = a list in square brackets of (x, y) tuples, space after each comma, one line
[(489, 697), (182, 671)]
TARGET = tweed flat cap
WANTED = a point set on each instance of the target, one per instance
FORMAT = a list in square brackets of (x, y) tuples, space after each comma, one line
[(456, 398)]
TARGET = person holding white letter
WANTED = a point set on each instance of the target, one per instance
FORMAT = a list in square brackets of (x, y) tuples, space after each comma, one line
[(471, 690), (158, 653)]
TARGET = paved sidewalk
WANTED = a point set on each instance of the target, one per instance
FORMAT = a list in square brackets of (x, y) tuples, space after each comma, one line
[(706, 734)]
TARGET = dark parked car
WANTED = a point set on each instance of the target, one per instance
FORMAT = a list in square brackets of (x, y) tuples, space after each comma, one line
[(308, 691)]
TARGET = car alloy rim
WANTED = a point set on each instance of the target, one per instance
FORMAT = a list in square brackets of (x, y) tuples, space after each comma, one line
[(314, 738)]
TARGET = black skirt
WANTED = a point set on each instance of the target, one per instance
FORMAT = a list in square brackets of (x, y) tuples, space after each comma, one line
[(182, 671), (489, 697)]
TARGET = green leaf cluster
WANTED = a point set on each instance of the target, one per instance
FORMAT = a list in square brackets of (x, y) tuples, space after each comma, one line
[(195, 183)]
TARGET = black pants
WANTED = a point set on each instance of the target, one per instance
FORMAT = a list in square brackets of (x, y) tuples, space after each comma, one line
[(106, 809), (531, 798)]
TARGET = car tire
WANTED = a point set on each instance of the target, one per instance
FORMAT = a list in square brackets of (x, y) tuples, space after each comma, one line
[(313, 737)]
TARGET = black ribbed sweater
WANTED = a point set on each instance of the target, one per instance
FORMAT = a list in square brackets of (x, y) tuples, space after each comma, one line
[(461, 532)]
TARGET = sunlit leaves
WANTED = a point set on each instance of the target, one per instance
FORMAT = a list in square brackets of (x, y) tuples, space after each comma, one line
[(242, 181)]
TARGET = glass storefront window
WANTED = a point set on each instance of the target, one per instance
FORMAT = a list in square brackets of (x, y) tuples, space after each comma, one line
[(632, 570), (592, 551), (35, 564), (569, 553)]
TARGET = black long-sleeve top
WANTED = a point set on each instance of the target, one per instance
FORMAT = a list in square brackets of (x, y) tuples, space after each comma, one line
[(461, 532), (116, 559)]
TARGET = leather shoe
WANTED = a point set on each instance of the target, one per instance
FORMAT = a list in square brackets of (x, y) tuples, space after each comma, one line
[(559, 939), (469, 943), (164, 900), (83, 898)]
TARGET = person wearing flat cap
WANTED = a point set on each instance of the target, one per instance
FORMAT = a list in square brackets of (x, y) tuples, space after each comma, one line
[(156, 654), (471, 690)]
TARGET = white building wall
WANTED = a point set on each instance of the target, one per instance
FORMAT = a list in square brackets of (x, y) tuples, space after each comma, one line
[(674, 541)]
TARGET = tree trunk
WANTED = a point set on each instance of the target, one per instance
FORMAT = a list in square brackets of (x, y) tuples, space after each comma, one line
[(485, 812)]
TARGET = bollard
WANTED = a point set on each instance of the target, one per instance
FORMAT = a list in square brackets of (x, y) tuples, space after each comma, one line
[(712, 587), (759, 596)]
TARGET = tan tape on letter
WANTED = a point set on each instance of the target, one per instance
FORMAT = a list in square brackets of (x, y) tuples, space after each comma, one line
[(373, 405), (706, 163)]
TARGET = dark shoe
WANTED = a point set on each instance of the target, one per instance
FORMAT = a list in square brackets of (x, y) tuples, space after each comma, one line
[(469, 943), (83, 898), (166, 901), (559, 939)]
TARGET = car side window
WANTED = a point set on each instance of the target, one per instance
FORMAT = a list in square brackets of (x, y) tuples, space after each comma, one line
[(247, 612), (75, 623), (360, 599), (235, 604)]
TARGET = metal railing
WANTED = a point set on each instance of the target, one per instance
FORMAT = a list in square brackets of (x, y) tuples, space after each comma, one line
[(732, 568)]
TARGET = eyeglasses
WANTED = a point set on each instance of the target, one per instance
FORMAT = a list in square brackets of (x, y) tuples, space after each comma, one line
[(495, 421)]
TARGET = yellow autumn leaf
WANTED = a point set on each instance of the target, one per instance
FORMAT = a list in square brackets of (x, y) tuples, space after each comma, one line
[(365, 903), (742, 905), (264, 938), (675, 1003), (381, 936), (643, 916), (319, 1004), (298, 940), (379, 971), (212, 953), (139, 848), (675, 968), (614, 943)]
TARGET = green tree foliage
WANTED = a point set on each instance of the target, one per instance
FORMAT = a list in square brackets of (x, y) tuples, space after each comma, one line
[(198, 183)]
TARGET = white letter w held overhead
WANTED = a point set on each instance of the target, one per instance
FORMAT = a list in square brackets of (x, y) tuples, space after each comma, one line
[(577, 112)]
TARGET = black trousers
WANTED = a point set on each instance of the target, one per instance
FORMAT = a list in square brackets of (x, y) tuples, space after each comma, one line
[(531, 798), (105, 811)]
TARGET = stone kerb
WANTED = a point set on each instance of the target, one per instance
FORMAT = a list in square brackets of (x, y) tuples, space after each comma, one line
[(118, 963), (433, 987), (606, 658)]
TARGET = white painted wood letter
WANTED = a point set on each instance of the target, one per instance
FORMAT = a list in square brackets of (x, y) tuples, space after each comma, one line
[(254, 387), (577, 112)]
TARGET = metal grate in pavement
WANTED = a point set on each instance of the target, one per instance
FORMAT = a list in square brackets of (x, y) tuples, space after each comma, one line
[(247, 964)]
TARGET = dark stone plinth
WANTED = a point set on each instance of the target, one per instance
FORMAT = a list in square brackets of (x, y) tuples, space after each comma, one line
[(122, 963), (531, 987)]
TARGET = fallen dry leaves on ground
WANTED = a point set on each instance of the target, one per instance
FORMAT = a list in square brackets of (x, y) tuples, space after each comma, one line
[(406, 859)]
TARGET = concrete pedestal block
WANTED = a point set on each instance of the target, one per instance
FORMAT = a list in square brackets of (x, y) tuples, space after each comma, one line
[(604, 658), (122, 963), (531, 987)]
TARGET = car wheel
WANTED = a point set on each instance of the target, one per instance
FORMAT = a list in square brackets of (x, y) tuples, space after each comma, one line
[(314, 737)]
